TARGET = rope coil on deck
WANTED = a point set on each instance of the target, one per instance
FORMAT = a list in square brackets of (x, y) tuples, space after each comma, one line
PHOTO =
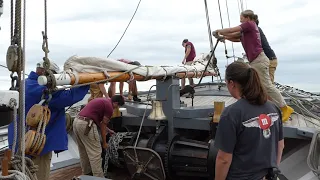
[(314, 155), (16, 172)]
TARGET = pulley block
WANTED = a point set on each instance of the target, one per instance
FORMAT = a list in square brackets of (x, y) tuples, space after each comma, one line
[(38, 113), (35, 142), (12, 58)]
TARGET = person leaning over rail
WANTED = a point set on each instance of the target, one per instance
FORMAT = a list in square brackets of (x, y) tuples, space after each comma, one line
[(249, 136), (189, 55), (96, 113), (248, 33), (133, 90), (269, 53), (56, 134)]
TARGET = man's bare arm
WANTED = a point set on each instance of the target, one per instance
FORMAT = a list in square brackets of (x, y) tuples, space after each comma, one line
[(103, 129), (229, 31), (235, 35), (187, 52), (232, 39)]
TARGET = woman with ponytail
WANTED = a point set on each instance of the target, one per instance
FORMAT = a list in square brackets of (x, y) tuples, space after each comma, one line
[(248, 34), (249, 137)]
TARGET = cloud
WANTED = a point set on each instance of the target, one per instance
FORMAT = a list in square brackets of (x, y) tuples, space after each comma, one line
[(154, 37)]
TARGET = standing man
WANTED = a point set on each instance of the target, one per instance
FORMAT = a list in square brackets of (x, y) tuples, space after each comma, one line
[(133, 90), (190, 54), (56, 133), (96, 114), (269, 53)]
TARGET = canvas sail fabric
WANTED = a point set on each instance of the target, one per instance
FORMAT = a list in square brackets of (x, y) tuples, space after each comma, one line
[(81, 64)]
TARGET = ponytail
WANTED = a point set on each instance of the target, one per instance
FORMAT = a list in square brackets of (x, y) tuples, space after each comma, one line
[(253, 90)]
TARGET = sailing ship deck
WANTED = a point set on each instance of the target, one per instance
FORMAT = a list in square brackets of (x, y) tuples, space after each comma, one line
[(296, 120), (299, 126)]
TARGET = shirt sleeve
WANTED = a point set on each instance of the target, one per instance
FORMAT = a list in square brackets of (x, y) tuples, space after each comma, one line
[(226, 136), (247, 26), (108, 110)]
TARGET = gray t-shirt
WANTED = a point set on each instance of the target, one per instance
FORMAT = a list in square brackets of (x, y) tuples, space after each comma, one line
[(251, 133)]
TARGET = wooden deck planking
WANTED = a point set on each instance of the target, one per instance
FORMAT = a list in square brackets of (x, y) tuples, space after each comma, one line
[(68, 173), (208, 100), (296, 120)]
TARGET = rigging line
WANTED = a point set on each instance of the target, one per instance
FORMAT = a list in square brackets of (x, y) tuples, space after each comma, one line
[(234, 58), (7, 68), (225, 46), (239, 7), (125, 29), (209, 28), (208, 24)]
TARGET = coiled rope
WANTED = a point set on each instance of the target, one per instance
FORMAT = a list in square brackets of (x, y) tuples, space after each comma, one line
[(16, 172)]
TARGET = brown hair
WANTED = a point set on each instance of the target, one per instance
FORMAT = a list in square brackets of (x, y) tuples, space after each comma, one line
[(251, 88), (250, 14)]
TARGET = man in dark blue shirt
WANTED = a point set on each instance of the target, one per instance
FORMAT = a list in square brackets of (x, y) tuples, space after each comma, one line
[(269, 52)]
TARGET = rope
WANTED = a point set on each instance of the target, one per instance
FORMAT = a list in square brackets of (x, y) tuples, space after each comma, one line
[(13, 105), (234, 58), (208, 24), (23, 125), (239, 7), (314, 156), (100, 81), (16, 174), (225, 46), (125, 29)]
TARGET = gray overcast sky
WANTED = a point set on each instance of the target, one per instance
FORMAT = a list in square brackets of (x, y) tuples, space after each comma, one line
[(155, 35)]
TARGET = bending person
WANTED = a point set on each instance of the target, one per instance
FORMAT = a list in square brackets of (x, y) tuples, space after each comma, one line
[(269, 53), (189, 55), (96, 114), (247, 32), (249, 137)]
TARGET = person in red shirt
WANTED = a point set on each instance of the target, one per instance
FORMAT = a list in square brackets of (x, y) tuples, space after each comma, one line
[(248, 34), (96, 114), (190, 54)]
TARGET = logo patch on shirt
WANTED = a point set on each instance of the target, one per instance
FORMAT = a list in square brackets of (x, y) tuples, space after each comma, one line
[(264, 122)]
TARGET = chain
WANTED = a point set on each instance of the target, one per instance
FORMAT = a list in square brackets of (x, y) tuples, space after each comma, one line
[(112, 150)]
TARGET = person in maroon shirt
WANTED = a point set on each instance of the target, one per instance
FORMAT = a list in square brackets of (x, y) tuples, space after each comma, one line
[(96, 113), (190, 54), (248, 34)]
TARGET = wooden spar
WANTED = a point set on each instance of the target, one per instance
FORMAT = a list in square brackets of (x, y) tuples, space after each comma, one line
[(92, 77)]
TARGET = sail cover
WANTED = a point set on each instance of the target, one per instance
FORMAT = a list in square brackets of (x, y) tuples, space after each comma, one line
[(81, 64)]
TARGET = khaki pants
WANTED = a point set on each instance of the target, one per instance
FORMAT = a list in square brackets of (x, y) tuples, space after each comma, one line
[(95, 92), (261, 64), (272, 69), (89, 148), (183, 80), (44, 163)]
